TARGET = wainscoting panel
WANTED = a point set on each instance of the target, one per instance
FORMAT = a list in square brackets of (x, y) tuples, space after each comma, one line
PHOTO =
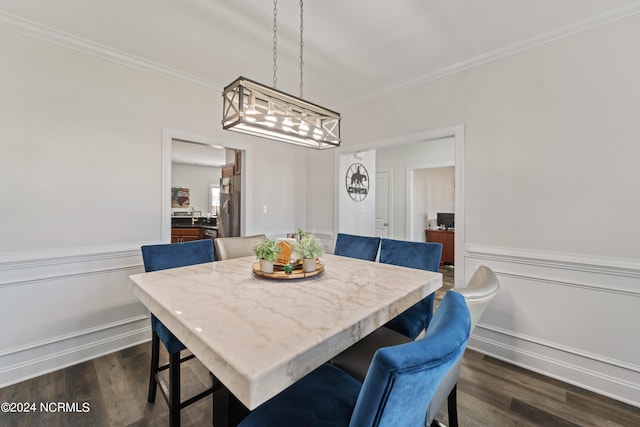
[(64, 307), (570, 317)]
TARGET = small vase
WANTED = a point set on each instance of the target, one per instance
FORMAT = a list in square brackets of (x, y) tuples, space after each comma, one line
[(266, 266), (309, 265)]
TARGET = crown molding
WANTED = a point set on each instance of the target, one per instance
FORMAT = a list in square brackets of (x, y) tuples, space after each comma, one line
[(563, 30), (33, 29), (43, 32)]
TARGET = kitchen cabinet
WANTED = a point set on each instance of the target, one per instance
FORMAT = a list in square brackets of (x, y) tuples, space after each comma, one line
[(447, 238), (186, 234)]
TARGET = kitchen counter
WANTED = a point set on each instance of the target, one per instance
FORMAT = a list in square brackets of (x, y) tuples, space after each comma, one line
[(183, 230), (204, 226), (183, 221)]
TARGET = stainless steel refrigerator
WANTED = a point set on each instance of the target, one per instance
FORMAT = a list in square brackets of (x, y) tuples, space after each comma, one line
[(229, 216)]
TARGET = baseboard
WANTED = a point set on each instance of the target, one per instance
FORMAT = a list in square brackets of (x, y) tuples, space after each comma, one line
[(605, 377), (58, 354)]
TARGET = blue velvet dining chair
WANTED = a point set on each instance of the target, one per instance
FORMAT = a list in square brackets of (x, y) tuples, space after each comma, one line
[(396, 391), (420, 255), (361, 247), (162, 257), (480, 290)]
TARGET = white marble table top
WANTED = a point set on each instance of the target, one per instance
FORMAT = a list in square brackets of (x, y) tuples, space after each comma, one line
[(258, 335)]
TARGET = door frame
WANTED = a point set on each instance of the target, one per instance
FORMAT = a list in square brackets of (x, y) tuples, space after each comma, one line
[(457, 132), (168, 136)]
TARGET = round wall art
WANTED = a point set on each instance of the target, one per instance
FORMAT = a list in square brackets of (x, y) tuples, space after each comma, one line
[(357, 182)]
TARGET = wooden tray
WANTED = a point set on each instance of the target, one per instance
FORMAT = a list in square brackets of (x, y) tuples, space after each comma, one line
[(297, 273)]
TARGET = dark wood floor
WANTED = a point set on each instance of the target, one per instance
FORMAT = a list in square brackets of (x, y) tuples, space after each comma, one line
[(490, 393)]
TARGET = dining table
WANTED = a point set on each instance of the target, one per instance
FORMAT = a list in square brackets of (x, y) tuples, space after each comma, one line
[(258, 335)]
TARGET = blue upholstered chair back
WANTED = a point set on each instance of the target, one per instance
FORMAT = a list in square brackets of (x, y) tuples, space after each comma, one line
[(420, 255), (402, 379), (164, 256), (360, 247)]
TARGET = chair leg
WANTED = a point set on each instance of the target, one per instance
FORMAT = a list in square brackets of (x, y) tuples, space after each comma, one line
[(174, 389), (452, 407), (172, 392), (155, 363), (213, 406)]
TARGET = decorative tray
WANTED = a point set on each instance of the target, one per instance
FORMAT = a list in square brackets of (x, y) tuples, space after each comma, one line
[(280, 274)]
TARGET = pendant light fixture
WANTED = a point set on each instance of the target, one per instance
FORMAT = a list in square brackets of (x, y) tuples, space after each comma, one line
[(255, 109)]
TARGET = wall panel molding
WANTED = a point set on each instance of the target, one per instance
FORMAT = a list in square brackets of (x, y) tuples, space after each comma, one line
[(84, 308), (567, 316), (570, 283), (72, 336)]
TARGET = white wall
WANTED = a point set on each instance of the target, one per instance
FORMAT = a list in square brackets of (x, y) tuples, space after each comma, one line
[(433, 192), (551, 152), (198, 179), (81, 164)]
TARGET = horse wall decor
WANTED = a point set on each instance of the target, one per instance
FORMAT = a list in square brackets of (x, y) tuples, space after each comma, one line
[(357, 182)]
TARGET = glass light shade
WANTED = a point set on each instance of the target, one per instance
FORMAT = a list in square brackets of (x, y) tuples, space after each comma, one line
[(252, 108)]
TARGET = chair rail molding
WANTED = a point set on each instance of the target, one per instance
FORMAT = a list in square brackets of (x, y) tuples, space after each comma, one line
[(26, 267), (602, 265)]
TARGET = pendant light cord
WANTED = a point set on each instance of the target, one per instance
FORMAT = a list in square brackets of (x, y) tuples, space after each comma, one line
[(301, 46), (275, 46), (275, 43)]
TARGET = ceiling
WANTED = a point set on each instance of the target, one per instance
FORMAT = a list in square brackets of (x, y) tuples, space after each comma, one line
[(353, 49), (197, 154)]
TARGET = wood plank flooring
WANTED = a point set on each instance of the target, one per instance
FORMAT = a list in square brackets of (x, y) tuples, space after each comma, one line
[(490, 393)]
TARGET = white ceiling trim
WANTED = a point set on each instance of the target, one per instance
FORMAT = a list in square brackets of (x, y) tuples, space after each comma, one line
[(33, 29), (565, 30)]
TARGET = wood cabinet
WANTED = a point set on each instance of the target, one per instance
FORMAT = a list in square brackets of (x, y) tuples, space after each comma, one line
[(447, 238), (186, 234), (228, 170)]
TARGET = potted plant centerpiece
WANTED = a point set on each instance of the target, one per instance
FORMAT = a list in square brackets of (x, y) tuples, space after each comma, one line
[(267, 251), (309, 248)]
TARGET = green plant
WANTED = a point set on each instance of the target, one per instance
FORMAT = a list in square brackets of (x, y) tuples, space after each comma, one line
[(268, 249), (309, 247)]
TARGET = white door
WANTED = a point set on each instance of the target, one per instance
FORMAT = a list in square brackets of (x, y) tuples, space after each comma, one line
[(382, 204)]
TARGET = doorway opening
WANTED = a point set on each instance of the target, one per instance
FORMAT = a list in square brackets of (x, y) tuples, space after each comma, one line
[(432, 196), (196, 169), (402, 218)]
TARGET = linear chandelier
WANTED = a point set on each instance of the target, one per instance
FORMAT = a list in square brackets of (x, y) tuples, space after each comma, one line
[(256, 109)]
